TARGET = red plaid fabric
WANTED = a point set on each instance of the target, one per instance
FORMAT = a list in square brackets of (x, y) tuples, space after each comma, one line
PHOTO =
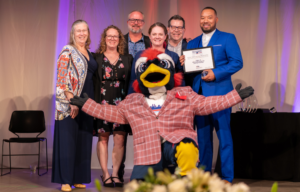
[(174, 122)]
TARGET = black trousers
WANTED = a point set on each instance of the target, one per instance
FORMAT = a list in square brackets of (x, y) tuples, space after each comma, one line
[(72, 150)]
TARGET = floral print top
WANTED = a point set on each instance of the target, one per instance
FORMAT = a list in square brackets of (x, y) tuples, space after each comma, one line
[(71, 73), (112, 90)]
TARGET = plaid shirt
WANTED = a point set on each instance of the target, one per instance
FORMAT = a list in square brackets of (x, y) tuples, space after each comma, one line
[(174, 122)]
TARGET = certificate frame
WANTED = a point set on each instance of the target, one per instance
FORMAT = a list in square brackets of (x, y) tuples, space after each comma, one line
[(208, 61)]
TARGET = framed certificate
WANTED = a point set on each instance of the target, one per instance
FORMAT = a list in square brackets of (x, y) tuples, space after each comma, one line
[(198, 59)]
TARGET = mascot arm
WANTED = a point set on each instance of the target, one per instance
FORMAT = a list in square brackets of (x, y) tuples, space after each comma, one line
[(208, 105), (110, 113)]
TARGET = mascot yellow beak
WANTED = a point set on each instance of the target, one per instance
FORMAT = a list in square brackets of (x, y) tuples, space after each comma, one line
[(155, 76)]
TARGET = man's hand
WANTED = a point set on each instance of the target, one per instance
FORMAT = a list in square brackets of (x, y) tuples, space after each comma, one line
[(210, 76), (78, 101), (244, 93), (74, 111), (182, 59)]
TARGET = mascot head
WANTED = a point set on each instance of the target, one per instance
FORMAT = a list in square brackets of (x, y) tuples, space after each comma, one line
[(155, 72)]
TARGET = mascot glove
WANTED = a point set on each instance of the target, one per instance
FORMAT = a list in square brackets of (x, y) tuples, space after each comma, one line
[(244, 93), (78, 101)]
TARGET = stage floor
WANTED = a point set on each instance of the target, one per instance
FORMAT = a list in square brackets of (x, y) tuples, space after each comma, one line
[(25, 181)]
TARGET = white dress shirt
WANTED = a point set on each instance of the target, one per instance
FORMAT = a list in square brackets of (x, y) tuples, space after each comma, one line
[(206, 38), (176, 49)]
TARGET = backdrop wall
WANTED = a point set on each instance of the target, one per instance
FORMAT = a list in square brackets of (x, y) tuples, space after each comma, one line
[(33, 33)]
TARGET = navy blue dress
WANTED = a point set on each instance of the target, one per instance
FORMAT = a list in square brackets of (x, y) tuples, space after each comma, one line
[(72, 145)]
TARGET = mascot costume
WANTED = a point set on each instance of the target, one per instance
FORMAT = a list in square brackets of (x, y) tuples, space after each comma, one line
[(161, 114)]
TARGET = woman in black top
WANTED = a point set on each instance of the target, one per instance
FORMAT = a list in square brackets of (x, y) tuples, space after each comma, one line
[(111, 85)]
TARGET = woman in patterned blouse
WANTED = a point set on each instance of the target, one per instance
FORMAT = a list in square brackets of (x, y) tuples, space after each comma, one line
[(111, 85), (73, 134)]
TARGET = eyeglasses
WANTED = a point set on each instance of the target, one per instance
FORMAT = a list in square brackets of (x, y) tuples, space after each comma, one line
[(112, 37), (79, 31), (139, 21), (174, 28)]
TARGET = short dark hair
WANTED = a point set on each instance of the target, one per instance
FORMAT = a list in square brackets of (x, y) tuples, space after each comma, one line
[(176, 17), (210, 8)]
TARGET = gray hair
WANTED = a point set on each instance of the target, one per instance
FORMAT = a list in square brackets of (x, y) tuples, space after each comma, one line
[(72, 39), (136, 11)]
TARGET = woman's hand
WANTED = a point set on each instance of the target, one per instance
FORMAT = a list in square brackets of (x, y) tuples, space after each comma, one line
[(74, 108), (74, 111)]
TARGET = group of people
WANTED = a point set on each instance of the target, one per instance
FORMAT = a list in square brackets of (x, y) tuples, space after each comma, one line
[(108, 75)]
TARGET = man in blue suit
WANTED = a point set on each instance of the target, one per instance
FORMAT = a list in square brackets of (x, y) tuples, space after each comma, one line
[(228, 60)]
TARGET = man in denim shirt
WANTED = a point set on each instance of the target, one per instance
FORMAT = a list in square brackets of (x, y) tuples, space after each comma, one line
[(135, 38)]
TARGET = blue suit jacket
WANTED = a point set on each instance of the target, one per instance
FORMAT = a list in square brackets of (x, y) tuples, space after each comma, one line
[(228, 60)]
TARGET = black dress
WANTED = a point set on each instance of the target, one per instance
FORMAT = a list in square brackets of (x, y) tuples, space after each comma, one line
[(72, 145), (112, 92)]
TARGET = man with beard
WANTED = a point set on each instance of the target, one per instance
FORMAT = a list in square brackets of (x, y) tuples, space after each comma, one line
[(135, 39), (176, 43), (228, 60)]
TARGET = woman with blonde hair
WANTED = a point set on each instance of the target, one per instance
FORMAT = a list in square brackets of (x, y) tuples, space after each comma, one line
[(111, 85), (73, 134)]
